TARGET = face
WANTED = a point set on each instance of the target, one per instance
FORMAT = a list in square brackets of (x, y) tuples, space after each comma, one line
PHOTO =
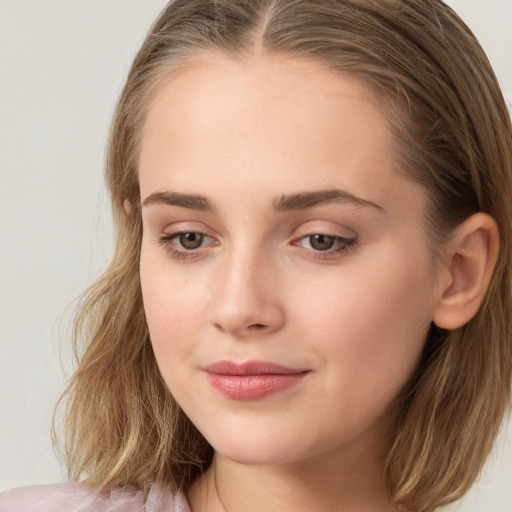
[(285, 268)]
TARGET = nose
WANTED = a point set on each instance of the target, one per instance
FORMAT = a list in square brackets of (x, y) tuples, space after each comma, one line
[(246, 299)]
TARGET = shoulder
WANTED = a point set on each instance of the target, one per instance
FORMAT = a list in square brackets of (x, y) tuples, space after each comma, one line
[(74, 497), (45, 498)]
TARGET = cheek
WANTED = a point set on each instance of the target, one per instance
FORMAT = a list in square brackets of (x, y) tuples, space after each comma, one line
[(373, 320), (174, 309)]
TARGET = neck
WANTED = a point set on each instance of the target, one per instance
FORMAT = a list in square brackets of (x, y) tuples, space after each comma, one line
[(322, 483)]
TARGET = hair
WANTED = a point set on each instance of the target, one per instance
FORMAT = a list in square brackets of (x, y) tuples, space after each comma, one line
[(452, 134)]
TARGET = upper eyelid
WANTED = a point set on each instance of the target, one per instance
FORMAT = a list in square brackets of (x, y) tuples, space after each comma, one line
[(326, 233), (346, 233), (347, 240), (315, 226), (297, 233), (303, 228), (179, 228)]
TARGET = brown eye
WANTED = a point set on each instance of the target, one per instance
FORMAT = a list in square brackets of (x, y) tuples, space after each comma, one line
[(191, 241), (322, 242)]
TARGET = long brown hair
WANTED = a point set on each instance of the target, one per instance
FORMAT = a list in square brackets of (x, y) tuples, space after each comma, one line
[(452, 133)]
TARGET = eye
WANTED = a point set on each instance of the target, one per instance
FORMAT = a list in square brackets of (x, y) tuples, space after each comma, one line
[(321, 242), (185, 244), (322, 245), (190, 241)]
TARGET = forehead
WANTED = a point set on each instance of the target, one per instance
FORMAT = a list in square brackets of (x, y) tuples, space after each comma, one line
[(270, 124), (272, 90)]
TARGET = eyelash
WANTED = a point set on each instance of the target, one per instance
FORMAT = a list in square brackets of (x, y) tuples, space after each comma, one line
[(344, 245), (168, 241)]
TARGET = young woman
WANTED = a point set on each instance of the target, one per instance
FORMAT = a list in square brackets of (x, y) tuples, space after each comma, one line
[(309, 303)]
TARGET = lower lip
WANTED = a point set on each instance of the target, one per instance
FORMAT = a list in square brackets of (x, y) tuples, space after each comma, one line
[(253, 387)]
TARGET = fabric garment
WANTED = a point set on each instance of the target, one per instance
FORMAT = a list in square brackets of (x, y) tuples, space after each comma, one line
[(73, 497)]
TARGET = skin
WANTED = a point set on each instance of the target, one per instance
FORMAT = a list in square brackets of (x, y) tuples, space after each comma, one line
[(243, 135)]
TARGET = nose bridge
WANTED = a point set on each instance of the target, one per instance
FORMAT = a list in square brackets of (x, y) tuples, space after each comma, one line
[(245, 297)]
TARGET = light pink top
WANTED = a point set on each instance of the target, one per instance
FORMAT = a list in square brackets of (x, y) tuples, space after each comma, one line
[(73, 497)]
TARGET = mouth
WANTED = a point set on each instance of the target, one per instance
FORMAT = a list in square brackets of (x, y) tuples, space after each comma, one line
[(252, 380)]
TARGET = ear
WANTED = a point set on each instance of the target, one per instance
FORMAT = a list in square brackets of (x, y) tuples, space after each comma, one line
[(469, 264), (127, 205)]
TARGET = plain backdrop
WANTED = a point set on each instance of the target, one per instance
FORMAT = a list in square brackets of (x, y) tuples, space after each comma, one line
[(62, 65)]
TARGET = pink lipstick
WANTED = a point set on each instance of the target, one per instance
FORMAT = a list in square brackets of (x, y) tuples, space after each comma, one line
[(251, 380)]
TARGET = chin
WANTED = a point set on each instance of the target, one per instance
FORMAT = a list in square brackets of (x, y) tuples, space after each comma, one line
[(263, 454), (256, 445)]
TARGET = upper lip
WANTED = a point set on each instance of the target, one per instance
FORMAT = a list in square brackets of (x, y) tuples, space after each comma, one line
[(250, 368)]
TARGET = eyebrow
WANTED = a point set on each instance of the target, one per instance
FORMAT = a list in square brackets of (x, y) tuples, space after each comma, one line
[(305, 200), (300, 201), (192, 201)]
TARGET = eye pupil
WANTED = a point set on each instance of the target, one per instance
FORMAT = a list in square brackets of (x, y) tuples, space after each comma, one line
[(191, 240), (321, 242)]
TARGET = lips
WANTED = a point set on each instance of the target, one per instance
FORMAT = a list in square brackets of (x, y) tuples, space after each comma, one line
[(252, 380)]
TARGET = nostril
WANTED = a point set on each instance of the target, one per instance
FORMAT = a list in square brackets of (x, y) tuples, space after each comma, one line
[(257, 326), (220, 328)]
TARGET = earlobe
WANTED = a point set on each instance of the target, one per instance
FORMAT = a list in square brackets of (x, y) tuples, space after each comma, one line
[(470, 262)]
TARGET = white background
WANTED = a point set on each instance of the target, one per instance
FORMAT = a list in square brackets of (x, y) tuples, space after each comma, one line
[(62, 65)]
